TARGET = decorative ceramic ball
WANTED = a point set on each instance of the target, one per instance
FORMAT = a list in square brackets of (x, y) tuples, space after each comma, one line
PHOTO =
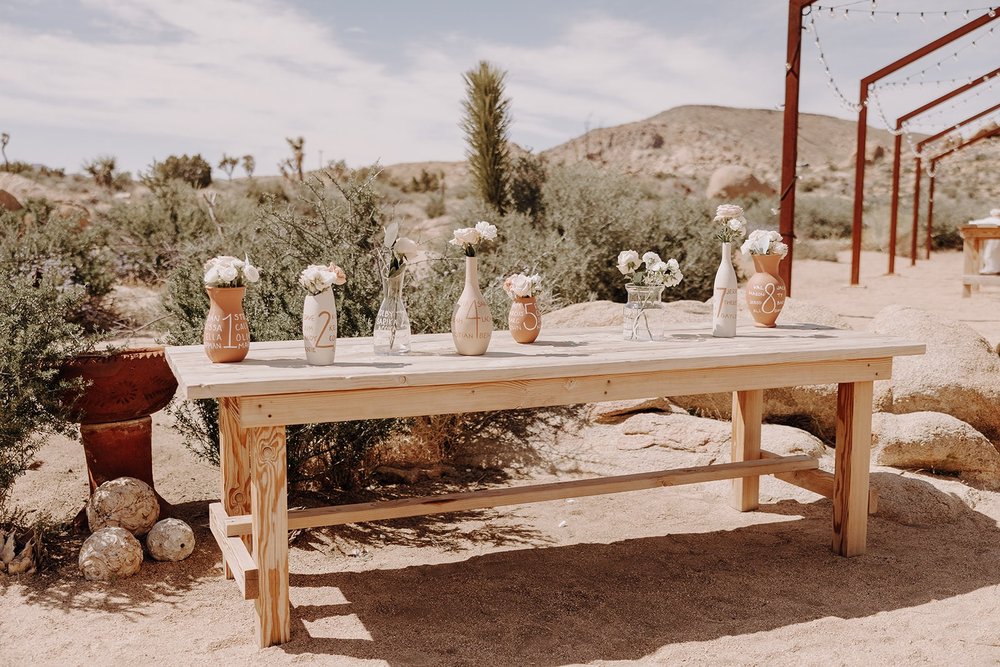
[(125, 502), (170, 539), (110, 553)]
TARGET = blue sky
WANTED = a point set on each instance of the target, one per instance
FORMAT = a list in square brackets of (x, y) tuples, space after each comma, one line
[(381, 79)]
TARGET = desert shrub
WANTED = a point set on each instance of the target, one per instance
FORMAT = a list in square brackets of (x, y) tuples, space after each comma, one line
[(823, 217), (435, 207), (102, 169), (427, 181), (19, 167), (261, 193), (527, 180), (53, 246), (36, 336), (194, 171), (343, 225)]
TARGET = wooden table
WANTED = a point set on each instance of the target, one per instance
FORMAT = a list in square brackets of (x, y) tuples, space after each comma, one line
[(274, 387), (973, 237)]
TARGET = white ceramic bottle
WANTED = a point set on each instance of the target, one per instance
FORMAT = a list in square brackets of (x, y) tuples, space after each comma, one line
[(724, 296)]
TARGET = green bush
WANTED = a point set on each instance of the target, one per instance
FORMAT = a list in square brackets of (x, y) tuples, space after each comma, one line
[(36, 336), (342, 225), (194, 171), (435, 207), (52, 246), (527, 180)]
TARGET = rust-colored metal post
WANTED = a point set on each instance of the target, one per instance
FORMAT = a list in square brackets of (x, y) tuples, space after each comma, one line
[(866, 83), (790, 137), (930, 211), (916, 214), (897, 150)]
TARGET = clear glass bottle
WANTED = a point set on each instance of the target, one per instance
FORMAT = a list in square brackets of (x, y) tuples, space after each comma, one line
[(392, 324), (643, 300)]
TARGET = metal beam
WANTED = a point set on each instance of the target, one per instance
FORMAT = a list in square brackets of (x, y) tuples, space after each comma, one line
[(790, 137), (865, 84)]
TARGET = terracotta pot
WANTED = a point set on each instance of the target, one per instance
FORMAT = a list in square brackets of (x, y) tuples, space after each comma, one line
[(122, 389), (765, 290), (227, 334), (524, 320), (471, 321), (319, 327), (120, 385)]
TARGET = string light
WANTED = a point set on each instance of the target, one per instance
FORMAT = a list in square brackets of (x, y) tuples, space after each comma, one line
[(922, 14), (830, 81)]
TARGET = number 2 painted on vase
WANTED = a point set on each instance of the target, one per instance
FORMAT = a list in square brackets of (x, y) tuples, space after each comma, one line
[(323, 330)]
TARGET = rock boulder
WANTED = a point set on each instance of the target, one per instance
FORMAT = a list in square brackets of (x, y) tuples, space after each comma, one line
[(735, 181)]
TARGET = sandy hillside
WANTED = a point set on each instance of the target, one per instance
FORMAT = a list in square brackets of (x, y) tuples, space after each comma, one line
[(669, 576)]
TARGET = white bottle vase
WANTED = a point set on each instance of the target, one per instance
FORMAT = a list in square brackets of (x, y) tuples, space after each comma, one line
[(724, 296), (471, 321), (319, 327)]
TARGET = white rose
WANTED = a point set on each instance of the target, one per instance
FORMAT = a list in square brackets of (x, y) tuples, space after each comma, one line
[(774, 236), (728, 211), (659, 266), (486, 230), (672, 264), (339, 277), (536, 282), (780, 248), (212, 276), (995, 213), (628, 261), (405, 247), (228, 273), (466, 236), (649, 259), (520, 285), (390, 234)]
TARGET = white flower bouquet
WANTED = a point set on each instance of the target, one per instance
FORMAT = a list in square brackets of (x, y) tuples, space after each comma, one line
[(400, 249), (521, 286), (764, 242), (470, 237), (316, 278), (225, 271), (649, 269), (732, 226)]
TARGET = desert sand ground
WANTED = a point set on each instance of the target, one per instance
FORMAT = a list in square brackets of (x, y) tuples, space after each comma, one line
[(668, 576)]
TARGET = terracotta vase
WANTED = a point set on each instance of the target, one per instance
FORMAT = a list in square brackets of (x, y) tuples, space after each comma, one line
[(227, 334), (524, 320), (724, 301), (319, 327), (471, 321), (765, 290)]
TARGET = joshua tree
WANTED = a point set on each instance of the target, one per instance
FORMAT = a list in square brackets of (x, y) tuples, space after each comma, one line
[(249, 164), (4, 140), (298, 153), (228, 164), (102, 168), (485, 123)]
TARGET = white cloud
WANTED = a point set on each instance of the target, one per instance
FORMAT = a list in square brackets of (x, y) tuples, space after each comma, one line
[(240, 76)]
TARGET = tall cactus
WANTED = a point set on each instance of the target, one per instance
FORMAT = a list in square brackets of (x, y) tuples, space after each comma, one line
[(486, 122)]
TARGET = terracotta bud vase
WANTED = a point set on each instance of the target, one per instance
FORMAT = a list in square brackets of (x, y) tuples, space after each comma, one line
[(319, 327), (524, 320), (765, 290), (227, 334), (724, 296), (471, 321)]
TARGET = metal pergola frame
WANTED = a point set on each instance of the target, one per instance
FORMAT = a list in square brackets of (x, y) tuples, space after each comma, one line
[(897, 156), (865, 84), (918, 174), (933, 175)]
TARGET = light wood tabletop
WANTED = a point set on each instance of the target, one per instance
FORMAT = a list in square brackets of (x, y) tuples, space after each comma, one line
[(274, 387)]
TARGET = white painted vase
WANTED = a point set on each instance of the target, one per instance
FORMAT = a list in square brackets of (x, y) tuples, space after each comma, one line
[(471, 321), (319, 327), (724, 296)]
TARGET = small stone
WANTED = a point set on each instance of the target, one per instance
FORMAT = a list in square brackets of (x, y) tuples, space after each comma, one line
[(170, 540), (125, 502), (110, 553)]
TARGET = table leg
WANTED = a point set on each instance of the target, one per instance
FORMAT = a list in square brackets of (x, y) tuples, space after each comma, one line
[(269, 527), (852, 456), (234, 461), (748, 408)]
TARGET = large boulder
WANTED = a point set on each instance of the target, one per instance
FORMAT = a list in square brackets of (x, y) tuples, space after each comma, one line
[(959, 375), (935, 442), (735, 181)]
